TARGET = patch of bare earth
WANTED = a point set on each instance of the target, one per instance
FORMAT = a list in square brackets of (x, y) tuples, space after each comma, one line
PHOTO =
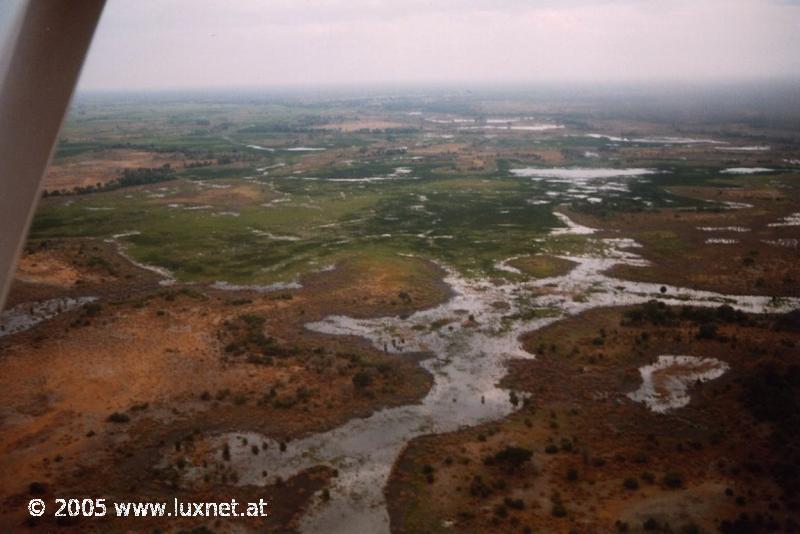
[(52, 268), (94, 400), (366, 123), (101, 167)]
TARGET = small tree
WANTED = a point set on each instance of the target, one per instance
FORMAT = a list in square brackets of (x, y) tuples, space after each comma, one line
[(673, 480), (118, 417), (362, 379), (513, 457), (707, 331)]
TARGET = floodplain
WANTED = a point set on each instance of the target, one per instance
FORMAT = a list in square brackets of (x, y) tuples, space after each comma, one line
[(427, 313)]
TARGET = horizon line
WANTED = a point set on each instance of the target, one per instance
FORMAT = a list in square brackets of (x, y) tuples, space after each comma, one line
[(456, 84)]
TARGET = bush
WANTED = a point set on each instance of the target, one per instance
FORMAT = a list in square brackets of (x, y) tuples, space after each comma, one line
[(93, 309), (654, 312), (362, 379), (707, 331), (118, 417), (727, 314), (259, 360), (37, 488), (252, 321), (631, 484), (515, 504), (478, 488), (673, 480), (513, 457), (650, 524)]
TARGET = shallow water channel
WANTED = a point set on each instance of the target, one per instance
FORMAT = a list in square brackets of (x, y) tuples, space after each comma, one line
[(470, 352)]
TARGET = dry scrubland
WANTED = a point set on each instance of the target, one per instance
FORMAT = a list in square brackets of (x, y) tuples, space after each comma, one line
[(580, 456)]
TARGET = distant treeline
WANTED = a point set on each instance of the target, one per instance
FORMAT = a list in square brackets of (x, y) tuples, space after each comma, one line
[(300, 124), (143, 176), (198, 164), (127, 178), (67, 148), (281, 128)]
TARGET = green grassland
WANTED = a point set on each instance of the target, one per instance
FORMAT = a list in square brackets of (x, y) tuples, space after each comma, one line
[(329, 220), (305, 216)]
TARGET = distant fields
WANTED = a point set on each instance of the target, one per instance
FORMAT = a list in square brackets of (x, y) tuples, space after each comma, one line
[(241, 214)]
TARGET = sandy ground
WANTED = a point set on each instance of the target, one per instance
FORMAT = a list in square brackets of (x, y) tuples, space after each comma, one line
[(101, 167), (45, 267), (364, 123)]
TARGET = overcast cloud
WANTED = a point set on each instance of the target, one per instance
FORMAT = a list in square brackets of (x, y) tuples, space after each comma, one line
[(252, 43)]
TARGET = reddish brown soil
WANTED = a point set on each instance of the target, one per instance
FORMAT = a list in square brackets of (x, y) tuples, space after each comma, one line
[(76, 267), (599, 438), (159, 356)]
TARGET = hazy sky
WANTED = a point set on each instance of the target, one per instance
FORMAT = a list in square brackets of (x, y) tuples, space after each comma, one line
[(241, 43)]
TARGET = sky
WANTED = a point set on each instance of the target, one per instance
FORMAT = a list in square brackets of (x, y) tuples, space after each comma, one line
[(183, 44)]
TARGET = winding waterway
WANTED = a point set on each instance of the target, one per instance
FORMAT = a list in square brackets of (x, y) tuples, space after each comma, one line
[(471, 338)]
